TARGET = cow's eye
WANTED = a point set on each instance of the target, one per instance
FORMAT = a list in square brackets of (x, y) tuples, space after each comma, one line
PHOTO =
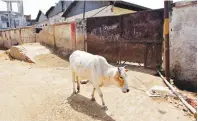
[(121, 77)]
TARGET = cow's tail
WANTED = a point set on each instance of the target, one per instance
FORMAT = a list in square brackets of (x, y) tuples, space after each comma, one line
[(84, 81)]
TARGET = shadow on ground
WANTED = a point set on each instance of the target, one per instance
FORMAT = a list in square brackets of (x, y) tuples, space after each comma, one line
[(86, 106)]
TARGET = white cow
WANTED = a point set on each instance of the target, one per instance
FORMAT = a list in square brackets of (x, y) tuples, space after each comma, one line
[(96, 69)]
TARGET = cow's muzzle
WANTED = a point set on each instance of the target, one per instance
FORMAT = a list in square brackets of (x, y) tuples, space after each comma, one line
[(125, 91)]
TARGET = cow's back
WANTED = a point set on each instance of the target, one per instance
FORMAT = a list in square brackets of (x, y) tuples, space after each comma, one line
[(81, 57), (85, 64), (82, 63)]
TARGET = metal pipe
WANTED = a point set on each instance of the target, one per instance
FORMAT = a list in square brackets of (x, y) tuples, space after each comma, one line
[(166, 40)]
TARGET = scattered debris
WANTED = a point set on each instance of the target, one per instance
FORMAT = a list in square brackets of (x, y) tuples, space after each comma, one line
[(159, 91), (193, 110), (192, 102)]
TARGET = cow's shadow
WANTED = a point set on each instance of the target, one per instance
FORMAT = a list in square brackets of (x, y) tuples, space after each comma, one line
[(91, 108)]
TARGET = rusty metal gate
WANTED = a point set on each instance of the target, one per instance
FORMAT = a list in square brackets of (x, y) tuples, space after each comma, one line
[(135, 37)]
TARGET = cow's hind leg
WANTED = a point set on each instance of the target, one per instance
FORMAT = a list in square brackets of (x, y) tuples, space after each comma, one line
[(92, 95), (78, 84), (73, 80)]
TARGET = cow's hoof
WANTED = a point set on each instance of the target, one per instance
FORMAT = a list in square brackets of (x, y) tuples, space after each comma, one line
[(104, 108), (93, 99), (74, 93), (78, 91)]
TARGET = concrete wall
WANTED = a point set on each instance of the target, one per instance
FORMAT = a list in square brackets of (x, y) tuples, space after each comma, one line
[(61, 36), (28, 35), (1, 39), (46, 36), (10, 38), (6, 39), (63, 39), (183, 44), (80, 32), (15, 37)]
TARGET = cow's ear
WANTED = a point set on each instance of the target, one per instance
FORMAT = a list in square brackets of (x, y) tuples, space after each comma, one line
[(126, 70)]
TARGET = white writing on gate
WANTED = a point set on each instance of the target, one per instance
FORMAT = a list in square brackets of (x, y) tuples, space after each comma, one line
[(103, 30), (111, 37), (110, 27)]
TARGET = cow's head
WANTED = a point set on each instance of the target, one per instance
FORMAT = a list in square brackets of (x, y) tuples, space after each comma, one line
[(121, 79)]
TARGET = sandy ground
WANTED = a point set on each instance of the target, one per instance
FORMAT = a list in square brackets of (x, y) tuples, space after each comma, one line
[(42, 92)]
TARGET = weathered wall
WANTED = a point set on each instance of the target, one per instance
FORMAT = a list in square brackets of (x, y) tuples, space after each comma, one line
[(1, 39), (10, 37), (6, 39), (46, 36), (80, 33), (15, 37), (28, 35), (63, 38), (183, 44)]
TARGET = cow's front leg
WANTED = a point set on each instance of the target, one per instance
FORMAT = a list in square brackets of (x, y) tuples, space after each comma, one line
[(78, 84), (101, 96), (92, 95)]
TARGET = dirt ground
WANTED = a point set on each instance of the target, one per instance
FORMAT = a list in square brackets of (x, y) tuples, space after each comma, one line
[(42, 92)]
